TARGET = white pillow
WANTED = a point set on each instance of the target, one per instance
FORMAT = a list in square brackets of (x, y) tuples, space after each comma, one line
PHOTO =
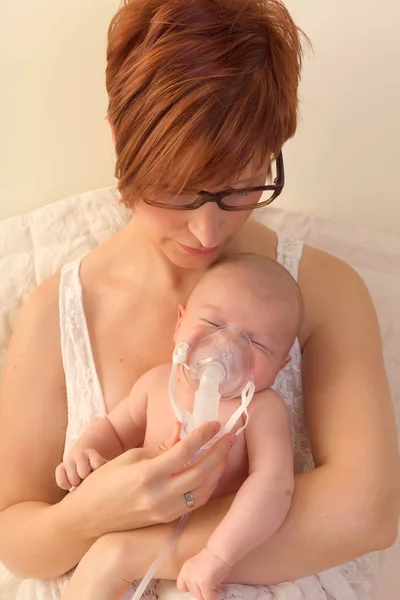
[(374, 255), (36, 245)]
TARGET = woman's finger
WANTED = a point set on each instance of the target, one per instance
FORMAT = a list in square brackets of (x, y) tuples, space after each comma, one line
[(200, 494), (205, 491), (152, 452), (201, 471), (183, 452)]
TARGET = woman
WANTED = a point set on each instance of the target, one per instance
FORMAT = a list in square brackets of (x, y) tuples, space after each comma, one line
[(202, 97)]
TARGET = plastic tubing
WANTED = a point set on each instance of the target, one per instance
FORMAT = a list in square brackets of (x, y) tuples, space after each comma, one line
[(162, 555)]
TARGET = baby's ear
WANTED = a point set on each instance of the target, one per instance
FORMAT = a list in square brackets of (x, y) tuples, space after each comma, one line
[(181, 314), (286, 362)]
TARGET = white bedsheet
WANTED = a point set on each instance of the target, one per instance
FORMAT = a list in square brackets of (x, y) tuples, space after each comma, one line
[(34, 246)]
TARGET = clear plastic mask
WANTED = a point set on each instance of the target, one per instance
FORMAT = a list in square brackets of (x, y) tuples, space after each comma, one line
[(230, 349)]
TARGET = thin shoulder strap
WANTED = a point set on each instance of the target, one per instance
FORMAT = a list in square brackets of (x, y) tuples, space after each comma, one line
[(289, 253), (84, 394)]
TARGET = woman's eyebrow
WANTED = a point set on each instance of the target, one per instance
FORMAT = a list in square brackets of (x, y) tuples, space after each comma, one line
[(249, 180), (243, 183)]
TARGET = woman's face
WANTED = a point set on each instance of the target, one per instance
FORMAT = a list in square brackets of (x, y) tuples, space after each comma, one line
[(194, 238), (190, 239)]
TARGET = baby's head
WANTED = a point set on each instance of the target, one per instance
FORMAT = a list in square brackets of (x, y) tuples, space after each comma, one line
[(254, 294)]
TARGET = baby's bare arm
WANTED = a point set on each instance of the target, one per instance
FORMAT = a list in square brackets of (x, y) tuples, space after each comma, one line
[(121, 430), (263, 501)]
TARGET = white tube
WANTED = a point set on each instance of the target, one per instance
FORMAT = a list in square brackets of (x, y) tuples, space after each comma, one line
[(207, 396), (205, 408), (162, 555)]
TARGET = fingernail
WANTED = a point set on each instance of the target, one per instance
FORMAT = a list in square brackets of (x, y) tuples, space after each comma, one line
[(232, 440)]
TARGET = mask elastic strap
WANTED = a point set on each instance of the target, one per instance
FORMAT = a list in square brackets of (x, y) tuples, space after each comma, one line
[(178, 358), (247, 396)]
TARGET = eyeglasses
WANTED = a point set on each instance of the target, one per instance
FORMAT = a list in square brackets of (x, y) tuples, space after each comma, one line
[(238, 199)]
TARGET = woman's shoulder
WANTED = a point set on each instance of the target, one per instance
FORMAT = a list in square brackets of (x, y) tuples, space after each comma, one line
[(319, 266), (42, 303), (313, 262), (38, 322), (326, 284), (34, 351)]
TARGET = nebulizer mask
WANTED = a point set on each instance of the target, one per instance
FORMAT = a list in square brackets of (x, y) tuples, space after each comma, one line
[(216, 365)]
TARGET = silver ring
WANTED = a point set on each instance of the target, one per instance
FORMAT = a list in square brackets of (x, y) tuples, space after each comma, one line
[(190, 503)]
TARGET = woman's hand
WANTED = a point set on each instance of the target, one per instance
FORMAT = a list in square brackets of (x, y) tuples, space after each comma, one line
[(146, 486)]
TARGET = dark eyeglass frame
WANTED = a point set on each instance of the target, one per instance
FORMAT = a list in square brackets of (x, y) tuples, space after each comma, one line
[(204, 196)]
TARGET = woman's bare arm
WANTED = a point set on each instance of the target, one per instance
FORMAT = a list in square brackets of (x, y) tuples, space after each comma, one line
[(33, 417), (349, 505), (43, 532)]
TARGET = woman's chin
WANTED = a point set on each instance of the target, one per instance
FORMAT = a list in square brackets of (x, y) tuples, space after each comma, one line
[(190, 262), (183, 259)]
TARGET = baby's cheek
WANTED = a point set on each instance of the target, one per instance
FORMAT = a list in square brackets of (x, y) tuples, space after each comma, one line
[(264, 373)]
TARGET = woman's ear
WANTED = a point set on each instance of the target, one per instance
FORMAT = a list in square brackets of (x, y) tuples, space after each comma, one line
[(112, 130), (181, 314), (286, 362)]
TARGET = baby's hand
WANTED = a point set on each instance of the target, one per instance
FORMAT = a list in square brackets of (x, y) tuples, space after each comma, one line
[(202, 575), (77, 467)]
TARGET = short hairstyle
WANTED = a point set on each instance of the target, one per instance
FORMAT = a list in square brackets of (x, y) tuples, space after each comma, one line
[(199, 89)]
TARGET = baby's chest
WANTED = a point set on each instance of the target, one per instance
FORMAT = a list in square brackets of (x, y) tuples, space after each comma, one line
[(160, 419), (160, 424)]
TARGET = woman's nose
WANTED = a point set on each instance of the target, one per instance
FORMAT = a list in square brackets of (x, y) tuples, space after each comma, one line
[(206, 224)]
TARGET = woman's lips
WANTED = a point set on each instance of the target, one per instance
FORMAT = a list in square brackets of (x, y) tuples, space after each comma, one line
[(198, 251)]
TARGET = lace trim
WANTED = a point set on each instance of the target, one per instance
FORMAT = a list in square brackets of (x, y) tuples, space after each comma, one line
[(84, 394), (86, 404), (289, 253), (358, 573), (288, 383)]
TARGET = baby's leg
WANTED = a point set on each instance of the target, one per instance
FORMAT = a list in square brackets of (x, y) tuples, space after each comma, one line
[(104, 585), (102, 574)]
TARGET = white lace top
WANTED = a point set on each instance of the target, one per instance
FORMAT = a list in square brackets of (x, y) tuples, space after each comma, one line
[(86, 404)]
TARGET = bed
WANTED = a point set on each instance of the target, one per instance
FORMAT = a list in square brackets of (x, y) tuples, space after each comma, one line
[(35, 245)]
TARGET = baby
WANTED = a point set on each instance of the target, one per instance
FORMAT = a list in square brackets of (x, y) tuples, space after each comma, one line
[(255, 303)]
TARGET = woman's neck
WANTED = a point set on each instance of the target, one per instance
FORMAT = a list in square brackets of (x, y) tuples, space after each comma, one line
[(138, 258), (131, 257)]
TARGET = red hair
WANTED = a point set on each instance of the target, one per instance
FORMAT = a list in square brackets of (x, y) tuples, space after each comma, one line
[(198, 89)]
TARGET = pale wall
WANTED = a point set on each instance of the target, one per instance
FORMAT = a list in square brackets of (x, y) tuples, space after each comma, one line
[(343, 164)]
